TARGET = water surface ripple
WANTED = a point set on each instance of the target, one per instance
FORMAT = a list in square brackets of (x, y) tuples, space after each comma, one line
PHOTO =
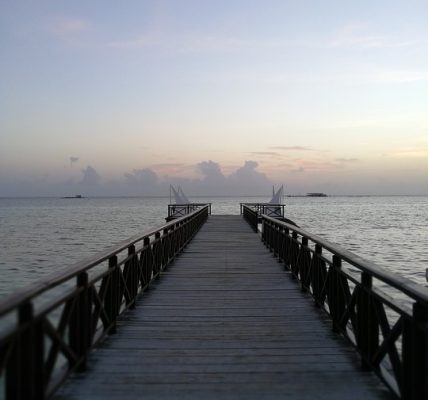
[(39, 236)]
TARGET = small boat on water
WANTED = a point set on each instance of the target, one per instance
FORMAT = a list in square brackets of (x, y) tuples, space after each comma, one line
[(76, 196)]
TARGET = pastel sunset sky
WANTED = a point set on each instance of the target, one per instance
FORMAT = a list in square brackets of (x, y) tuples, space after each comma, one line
[(123, 98)]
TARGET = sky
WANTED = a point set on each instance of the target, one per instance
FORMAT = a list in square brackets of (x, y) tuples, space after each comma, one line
[(223, 97)]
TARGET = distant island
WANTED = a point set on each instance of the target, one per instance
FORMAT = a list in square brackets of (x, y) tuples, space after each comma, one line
[(316, 195), (312, 194)]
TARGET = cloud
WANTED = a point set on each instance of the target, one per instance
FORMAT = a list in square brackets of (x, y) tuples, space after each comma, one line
[(211, 170), (399, 76), (139, 42), (197, 43), (194, 43), (364, 36), (247, 179), (69, 25), (297, 170), (248, 168), (212, 181), (73, 160), (347, 160), (294, 148), (300, 165), (144, 176), (72, 31), (356, 35), (90, 177), (172, 168), (410, 152), (265, 154), (243, 180)]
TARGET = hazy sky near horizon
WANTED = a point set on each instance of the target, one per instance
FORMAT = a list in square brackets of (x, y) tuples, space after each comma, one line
[(109, 97)]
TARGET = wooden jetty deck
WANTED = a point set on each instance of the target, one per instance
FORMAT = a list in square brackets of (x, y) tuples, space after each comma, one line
[(225, 321)]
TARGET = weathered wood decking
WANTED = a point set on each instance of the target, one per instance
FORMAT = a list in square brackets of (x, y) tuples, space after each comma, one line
[(224, 322)]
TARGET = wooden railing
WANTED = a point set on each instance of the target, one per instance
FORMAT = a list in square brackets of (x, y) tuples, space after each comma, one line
[(48, 329), (272, 210), (251, 215), (383, 315), (180, 210)]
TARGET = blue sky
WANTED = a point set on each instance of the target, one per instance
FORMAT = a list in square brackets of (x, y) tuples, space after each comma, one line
[(319, 95)]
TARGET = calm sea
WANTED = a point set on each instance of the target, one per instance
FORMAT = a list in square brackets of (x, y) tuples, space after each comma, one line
[(40, 235)]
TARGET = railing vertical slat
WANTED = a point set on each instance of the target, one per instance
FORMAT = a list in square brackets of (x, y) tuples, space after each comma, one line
[(415, 354), (112, 294)]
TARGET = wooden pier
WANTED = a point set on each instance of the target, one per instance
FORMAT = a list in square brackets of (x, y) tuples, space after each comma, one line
[(225, 322), (223, 315)]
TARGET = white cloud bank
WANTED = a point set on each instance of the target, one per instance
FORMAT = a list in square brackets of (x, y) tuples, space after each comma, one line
[(246, 180)]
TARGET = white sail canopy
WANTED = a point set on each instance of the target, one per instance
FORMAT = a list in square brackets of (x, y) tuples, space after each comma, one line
[(183, 196), (179, 196), (277, 196)]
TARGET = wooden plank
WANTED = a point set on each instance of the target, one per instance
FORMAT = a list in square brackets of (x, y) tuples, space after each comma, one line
[(224, 321)]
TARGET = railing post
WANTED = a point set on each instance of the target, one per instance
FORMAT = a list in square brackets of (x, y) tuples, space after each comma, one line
[(24, 371), (336, 302), (294, 255), (275, 240), (157, 250), (304, 264), (39, 366), (267, 234), (263, 228), (79, 330), (281, 245), (147, 263), (286, 248), (367, 324), (316, 275), (166, 242), (26, 347), (131, 274), (415, 354)]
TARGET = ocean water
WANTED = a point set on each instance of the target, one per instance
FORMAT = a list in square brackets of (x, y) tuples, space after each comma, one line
[(41, 235)]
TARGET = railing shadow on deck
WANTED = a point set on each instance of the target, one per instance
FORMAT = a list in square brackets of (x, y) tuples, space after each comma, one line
[(48, 329), (383, 315)]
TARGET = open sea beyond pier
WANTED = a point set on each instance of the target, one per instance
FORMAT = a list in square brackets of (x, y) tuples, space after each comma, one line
[(41, 235)]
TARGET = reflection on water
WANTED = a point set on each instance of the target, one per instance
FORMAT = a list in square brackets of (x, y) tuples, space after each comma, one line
[(39, 236)]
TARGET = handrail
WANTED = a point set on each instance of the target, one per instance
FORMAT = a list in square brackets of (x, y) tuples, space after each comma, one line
[(363, 301), (178, 210), (55, 326), (38, 287), (275, 209), (410, 288), (251, 215)]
